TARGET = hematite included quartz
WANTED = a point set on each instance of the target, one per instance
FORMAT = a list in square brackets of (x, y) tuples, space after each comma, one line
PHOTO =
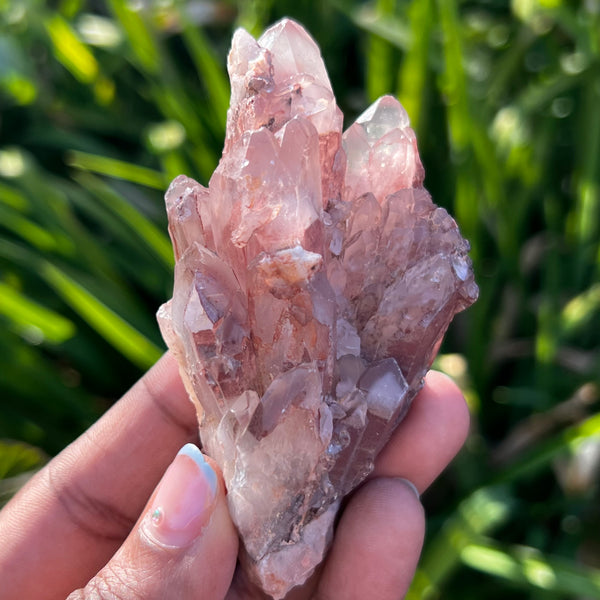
[(314, 280)]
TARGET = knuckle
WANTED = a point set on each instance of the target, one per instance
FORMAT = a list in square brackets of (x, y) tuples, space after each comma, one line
[(100, 519)]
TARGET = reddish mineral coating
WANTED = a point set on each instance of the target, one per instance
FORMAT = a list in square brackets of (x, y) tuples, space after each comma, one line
[(314, 279)]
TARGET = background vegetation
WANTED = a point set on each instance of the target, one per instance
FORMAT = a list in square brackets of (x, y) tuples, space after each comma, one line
[(103, 102)]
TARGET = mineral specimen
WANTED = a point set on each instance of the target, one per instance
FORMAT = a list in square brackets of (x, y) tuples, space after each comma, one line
[(314, 280)]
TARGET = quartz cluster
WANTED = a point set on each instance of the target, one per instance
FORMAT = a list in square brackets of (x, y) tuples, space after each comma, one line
[(314, 280)]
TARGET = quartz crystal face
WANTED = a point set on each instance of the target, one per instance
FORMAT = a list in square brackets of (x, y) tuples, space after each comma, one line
[(314, 279)]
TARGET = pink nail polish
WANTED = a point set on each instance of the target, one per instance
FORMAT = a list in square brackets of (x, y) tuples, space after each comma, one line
[(184, 500)]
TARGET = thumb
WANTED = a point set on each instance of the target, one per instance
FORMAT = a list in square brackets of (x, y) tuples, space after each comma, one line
[(183, 546)]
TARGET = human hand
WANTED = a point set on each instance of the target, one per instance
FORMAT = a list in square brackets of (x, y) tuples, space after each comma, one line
[(77, 526)]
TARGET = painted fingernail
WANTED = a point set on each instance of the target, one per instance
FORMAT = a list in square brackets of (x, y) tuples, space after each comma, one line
[(183, 501), (411, 485)]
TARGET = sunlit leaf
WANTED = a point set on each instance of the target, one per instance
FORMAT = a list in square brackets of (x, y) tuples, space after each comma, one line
[(70, 51), (139, 37), (477, 515), (579, 311), (415, 64), (118, 169), (110, 325), (526, 567), (137, 226), (32, 318)]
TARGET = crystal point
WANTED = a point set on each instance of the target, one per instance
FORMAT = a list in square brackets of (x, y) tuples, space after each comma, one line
[(314, 280)]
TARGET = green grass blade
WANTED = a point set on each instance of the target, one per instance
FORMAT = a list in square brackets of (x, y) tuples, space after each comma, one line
[(254, 15), (70, 51), (507, 65), (526, 567), (380, 56), (538, 95), (125, 338), (137, 226), (477, 515), (50, 203), (175, 105), (587, 210), (388, 28), (13, 199), (26, 229), (461, 126), (143, 46), (580, 310), (478, 178), (119, 169), (567, 440), (110, 297), (454, 84), (414, 71), (209, 69), (33, 319)]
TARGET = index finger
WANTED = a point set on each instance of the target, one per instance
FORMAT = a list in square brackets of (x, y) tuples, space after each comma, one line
[(67, 522)]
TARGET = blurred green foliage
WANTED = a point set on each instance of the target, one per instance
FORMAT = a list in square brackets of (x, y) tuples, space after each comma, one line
[(102, 103)]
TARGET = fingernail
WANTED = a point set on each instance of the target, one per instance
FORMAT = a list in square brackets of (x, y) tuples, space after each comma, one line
[(411, 485), (183, 501)]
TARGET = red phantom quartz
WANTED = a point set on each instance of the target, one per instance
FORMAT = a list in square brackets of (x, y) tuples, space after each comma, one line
[(314, 279)]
